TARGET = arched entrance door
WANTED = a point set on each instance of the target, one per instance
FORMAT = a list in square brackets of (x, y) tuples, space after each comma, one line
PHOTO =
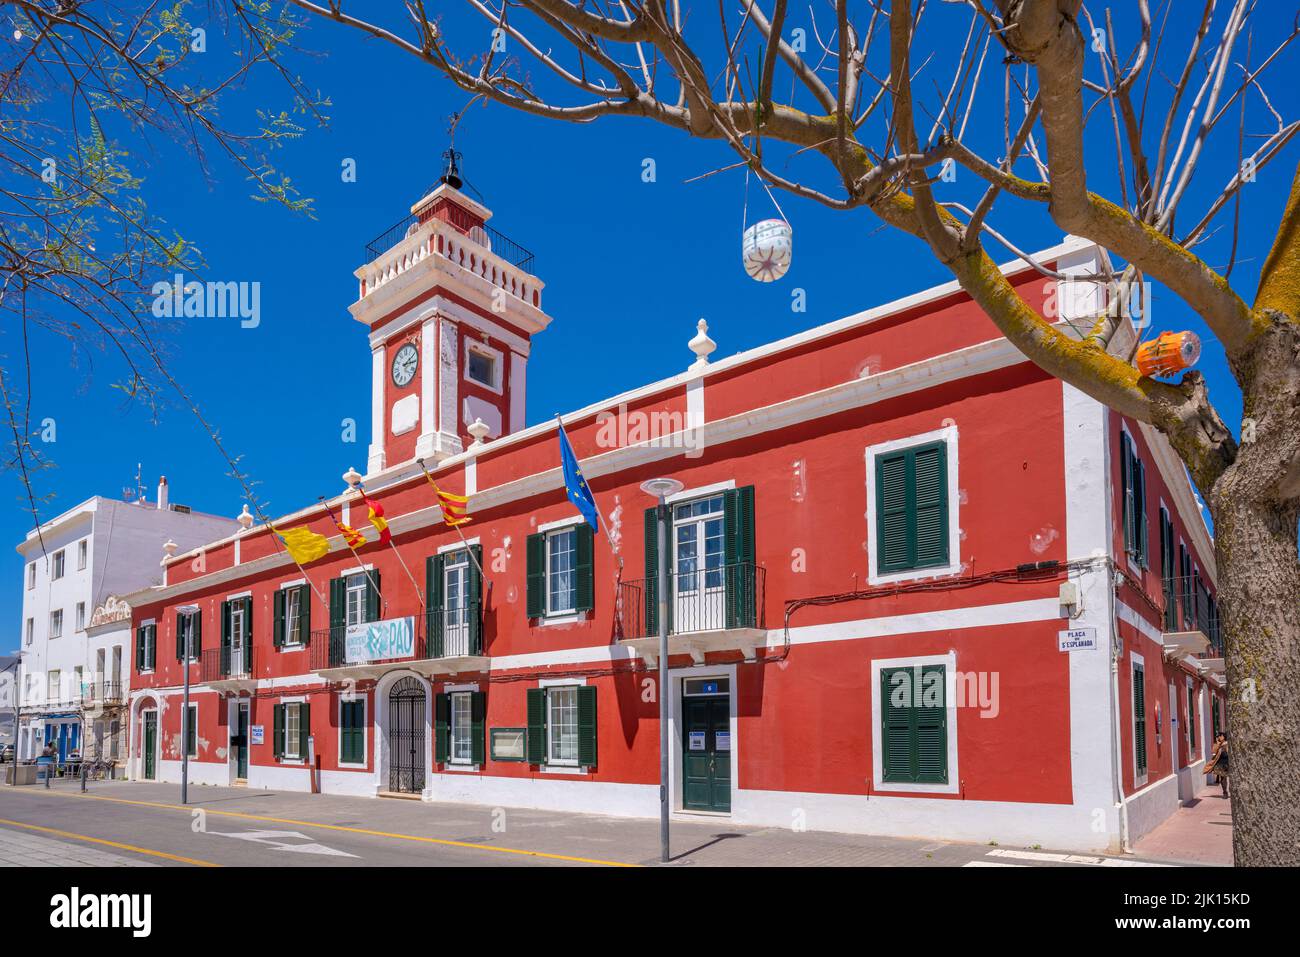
[(406, 736)]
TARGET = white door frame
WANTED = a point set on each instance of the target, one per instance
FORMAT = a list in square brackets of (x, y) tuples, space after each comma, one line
[(675, 676)]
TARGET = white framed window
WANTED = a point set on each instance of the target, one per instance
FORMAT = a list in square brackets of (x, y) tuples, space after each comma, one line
[(292, 617), (913, 543), (561, 581), (483, 365), (31, 575), (462, 747), (57, 565), (83, 548), (356, 598), (562, 725), (81, 616), (292, 731), (31, 631), (186, 624), (56, 623), (1141, 735), (78, 681), (919, 691), (52, 685)]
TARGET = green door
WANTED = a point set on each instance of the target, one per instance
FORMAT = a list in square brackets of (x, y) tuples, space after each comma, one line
[(706, 753), (150, 743), (239, 741)]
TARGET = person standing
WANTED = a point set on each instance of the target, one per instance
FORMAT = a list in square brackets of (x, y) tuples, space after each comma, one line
[(1220, 762)]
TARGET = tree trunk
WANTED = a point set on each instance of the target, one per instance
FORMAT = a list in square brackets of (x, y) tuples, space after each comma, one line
[(1259, 610)]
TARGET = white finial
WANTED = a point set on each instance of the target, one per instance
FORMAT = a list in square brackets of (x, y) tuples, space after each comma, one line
[(170, 547), (479, 429), (701, 345), (352, 477), (245, 518)]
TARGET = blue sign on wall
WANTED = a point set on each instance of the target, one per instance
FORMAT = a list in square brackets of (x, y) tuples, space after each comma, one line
[(380, 641)]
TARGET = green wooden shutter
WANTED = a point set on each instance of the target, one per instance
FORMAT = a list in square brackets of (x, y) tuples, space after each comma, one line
[(180, 636), (441, 728), (536, 725), (477, 728), (895, 725), (536, 552), (1140, 720), (196, 627), (372, 595), (277, 731), (304, 728), (1214, 714), (652, 571), (304, 612), (338, 618), (929, 468), (435, 614), (892, 520), (586, 726), (931, 728), (225, 632), (584, 560), (1191, 719), (248, 633), (277, 635), (1140, 511), (139, 649), (475, 610), (738, 553), (152, 649)]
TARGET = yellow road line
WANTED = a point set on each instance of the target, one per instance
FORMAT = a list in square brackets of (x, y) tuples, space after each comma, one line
[(100, 840), (352, 830)]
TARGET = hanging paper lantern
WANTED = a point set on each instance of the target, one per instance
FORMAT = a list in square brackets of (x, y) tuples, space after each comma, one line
[(1169, 353), (766, 249)]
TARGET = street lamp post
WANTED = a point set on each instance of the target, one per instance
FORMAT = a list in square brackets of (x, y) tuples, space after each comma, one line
[(661, 488), (186, 651)]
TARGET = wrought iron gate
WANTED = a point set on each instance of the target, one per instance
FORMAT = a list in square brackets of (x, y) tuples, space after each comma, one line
[(406, 736)]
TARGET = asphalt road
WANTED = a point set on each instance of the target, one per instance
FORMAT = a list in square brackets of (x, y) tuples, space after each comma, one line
[(144, 824)]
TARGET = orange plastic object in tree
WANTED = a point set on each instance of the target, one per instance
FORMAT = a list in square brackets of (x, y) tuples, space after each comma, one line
[(1169, 353)]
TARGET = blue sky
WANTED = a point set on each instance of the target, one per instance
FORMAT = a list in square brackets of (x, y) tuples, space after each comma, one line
[(630, 266)]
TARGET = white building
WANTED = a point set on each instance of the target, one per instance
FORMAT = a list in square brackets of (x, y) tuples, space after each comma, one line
[(6, 699), (74, 632)]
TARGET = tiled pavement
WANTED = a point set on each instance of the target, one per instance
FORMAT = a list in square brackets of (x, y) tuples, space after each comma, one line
[(1200, 832), (24, 849)]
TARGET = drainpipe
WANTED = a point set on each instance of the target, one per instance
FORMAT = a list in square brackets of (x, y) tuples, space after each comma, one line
[(1116, 746)]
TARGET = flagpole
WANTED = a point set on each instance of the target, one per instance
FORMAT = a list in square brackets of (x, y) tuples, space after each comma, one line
[(600, 516), (472, 556), (275, 534), (365, 571)]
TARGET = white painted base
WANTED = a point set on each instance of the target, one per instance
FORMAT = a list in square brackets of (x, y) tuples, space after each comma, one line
[(1190, 780), (350, 783), (580, 797), (1152, 806)]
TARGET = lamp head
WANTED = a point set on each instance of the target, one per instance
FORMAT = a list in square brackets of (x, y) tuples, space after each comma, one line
[(661, 487)]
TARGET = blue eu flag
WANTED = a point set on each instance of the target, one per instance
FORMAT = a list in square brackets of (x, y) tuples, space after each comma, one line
[(574, 484)]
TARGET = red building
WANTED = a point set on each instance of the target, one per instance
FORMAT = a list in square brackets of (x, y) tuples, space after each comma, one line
[(917, 586)]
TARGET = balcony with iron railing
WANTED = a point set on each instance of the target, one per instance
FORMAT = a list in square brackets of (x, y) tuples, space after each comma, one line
[(102, 694), (1190, 621), (228, 668), (717, 608), (444, 641)]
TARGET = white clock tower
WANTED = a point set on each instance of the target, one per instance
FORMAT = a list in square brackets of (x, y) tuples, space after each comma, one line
[(451, 306)]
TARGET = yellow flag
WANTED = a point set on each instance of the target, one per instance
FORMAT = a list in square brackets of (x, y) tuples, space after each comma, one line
[(304, 545)]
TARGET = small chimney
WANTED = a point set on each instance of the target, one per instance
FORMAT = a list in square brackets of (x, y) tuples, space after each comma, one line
[(162, 494)]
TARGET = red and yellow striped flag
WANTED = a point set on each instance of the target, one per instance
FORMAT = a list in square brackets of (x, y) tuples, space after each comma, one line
[(455, 508), (377, 519), (350, 535)]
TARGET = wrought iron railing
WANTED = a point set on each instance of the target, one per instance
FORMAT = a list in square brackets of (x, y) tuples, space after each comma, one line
[(1189, 606), (439, 633), (699, 600), (498, 242), (226, 662), (100, 694)]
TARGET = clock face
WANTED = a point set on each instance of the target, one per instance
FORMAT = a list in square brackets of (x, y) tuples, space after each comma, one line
[(404, 364)]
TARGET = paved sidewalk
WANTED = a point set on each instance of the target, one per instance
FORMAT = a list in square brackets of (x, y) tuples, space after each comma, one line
[(19, 849), (274, 828), (1200, 832)]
